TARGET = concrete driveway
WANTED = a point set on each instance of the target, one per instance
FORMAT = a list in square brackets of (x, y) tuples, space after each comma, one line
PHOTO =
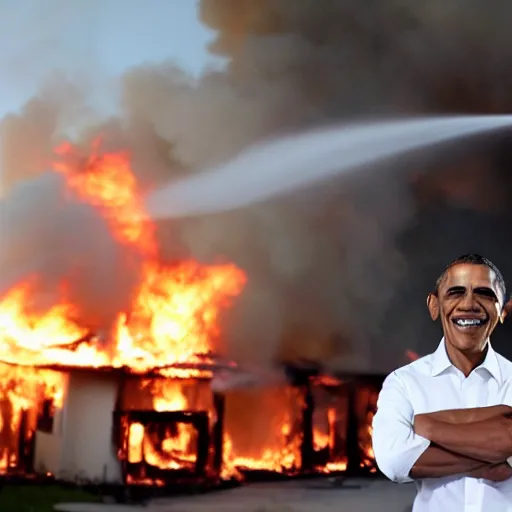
[(316, 495)]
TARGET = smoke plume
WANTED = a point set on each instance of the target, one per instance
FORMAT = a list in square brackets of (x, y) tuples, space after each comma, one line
[(336, 274)]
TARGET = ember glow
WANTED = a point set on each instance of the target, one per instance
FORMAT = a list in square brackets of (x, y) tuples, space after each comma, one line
[(272, 418)]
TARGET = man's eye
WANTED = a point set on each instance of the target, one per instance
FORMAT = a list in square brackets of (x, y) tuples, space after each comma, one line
[(489, 294)]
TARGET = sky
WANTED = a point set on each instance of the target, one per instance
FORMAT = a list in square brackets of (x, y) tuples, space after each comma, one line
[(94, 40)]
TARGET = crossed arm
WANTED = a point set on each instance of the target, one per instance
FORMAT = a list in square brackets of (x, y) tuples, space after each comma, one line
[(445, 443), (475, 441)]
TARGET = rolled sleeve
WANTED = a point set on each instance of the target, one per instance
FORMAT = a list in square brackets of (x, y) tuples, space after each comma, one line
[(395, 444)]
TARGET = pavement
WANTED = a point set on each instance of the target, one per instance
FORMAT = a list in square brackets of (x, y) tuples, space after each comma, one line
[(315, 495)]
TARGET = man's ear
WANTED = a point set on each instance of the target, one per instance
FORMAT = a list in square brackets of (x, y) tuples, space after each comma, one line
[(507, 310), (433, 306)]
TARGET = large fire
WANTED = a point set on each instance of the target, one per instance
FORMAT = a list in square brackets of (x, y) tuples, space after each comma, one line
[(174, 313), (173, 316), (171, 326)]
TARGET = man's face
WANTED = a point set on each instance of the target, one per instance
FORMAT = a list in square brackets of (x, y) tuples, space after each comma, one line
[(469, 303)]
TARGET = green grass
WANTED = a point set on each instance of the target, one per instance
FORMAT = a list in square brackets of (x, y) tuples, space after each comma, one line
[(32, 498)]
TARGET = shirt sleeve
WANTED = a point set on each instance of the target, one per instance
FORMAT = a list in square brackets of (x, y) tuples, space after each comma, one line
[(395, 444)]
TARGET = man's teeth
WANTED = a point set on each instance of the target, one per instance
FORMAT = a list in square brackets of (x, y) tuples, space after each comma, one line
[(465, 322)]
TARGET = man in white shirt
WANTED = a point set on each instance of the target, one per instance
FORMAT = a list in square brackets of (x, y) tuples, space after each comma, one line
[(445, 420)]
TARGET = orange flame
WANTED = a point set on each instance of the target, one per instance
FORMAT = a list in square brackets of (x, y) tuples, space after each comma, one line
[(20, 390), (173, 317), (175, 312), (264, 430)]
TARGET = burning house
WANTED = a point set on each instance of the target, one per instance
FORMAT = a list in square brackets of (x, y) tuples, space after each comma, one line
[(154, 404), (171, 425)]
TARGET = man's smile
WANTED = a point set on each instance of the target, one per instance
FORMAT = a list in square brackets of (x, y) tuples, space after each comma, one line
[(469, 322)]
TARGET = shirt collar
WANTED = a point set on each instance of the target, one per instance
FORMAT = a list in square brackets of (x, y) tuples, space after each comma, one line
[(441, 362)]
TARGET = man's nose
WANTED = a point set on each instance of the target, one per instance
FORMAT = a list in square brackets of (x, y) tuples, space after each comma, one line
[(468, 302)]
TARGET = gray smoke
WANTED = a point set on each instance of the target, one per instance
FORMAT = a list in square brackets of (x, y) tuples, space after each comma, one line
[(336, 273), (59, 241)]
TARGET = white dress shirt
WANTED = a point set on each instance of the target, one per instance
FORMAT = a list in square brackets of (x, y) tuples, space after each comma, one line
[(431, 384)]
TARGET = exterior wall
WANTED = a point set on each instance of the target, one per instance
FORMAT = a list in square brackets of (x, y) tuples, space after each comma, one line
[(80, 448)]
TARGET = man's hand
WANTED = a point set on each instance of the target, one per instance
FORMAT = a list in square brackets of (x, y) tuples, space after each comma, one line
[(494, 473)]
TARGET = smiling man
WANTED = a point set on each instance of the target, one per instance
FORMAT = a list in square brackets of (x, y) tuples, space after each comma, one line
[(445, 420)]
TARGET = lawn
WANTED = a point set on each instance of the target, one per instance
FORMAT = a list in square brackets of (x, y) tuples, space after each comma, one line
[(33, 498)]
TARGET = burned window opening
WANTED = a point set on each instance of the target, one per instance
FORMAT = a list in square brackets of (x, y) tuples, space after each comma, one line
[(159, 446)]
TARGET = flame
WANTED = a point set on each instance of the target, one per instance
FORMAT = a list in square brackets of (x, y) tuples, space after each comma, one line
[(175, 311), (21, 389), (322, 440), (170, 445), (286, 459), (175, 450), (107, 182), (25, 330), (366, 431), (179, 309), (368, 461), (325, 440), (264, 430), (173, 319), (135, 443)]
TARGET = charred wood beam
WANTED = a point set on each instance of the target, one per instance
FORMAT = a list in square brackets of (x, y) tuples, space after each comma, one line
[(353, 448), (307, 446), (206, 370), (218, 432), (145, 417), (203, 443)]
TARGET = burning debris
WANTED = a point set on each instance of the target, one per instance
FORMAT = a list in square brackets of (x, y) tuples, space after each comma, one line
[(160, 428)]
